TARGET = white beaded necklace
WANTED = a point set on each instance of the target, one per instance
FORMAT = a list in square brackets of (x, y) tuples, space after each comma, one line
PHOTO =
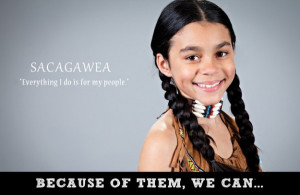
[(211, 111)]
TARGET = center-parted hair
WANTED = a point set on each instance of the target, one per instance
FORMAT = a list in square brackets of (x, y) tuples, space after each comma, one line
[(174, 17)]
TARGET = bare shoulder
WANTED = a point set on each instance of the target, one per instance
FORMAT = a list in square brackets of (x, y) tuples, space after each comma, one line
[(159, 145)]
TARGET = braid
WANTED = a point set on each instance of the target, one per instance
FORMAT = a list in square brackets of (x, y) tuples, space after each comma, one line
[(246, 139), (182, 110)]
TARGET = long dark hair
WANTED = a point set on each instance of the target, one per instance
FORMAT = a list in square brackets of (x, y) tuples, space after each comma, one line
[(174, 17)]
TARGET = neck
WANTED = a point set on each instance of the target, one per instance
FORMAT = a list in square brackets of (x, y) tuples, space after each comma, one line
[(209, 122)]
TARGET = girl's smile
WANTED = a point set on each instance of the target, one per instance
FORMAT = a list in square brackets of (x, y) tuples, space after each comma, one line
[(209, 86)]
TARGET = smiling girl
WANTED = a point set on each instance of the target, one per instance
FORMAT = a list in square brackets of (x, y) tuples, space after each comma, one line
[(193, 45)]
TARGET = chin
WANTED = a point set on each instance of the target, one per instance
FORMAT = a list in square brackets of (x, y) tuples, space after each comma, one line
[(210, 101)]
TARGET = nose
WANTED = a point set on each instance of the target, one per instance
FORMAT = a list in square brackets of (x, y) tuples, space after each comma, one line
[(208, 66)]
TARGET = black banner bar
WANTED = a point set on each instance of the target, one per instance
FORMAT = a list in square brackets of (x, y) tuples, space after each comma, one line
[(152, 182)]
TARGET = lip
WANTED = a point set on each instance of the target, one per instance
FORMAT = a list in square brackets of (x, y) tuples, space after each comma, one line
[(211, 89)]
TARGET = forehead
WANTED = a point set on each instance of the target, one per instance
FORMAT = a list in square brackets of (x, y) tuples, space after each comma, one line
[(202, 34)]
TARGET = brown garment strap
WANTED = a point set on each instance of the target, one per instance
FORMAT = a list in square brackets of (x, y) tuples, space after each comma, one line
[(180, 149)]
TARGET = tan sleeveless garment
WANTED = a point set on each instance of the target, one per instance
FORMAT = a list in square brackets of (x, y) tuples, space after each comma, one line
[(188, 159)]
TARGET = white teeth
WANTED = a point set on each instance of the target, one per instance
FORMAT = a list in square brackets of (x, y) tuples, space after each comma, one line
[(208, 86)]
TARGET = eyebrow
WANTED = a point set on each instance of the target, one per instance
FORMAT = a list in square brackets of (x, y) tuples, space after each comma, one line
[(196, 48), (225, 43)]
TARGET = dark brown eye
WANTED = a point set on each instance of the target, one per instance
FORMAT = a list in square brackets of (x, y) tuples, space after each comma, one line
[(221, 54), (192, 58)]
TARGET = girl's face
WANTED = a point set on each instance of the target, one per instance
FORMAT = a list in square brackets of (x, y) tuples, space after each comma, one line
[(201, 61)]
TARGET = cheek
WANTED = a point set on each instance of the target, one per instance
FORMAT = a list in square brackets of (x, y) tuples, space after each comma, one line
[(183, 76), (230, 70)]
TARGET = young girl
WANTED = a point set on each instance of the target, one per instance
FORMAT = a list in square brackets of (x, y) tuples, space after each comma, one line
[(193, 45)]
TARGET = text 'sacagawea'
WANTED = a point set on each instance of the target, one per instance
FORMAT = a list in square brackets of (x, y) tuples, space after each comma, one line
[(70, 67)]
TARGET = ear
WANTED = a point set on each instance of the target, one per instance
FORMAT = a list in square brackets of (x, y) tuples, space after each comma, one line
[(163, 65)]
